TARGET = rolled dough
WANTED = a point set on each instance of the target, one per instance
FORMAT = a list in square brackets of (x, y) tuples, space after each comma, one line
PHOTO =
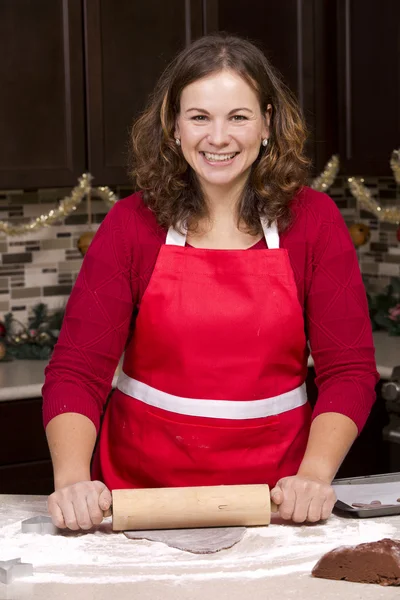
[(198, 541)]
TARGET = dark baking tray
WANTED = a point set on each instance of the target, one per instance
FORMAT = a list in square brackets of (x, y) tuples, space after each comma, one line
[(364, 513)]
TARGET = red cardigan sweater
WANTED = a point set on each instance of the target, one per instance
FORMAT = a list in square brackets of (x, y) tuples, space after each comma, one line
[(101, 310)]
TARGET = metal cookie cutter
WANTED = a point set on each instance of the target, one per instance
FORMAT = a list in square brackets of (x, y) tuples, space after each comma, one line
[(40, 525), (12, 569)]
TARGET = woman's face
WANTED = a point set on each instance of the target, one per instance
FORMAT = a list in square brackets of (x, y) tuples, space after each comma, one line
[(221, 128)]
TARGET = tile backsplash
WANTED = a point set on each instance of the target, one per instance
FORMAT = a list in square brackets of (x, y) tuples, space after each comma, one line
[(379, 259), (42, 266)]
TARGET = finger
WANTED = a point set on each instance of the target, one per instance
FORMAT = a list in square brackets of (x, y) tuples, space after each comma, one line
[(327, 507), (56, 513), (287, 506), (276, 495), (82, 512), (95, 512), (315, 509), (301, 507), (68, 512), (105, 499)]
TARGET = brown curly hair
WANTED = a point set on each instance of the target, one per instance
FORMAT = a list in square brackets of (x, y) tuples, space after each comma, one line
[(169, 185)]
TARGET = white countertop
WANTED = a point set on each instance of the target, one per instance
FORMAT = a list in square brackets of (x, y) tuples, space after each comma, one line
[(24, 378), (269, 562)]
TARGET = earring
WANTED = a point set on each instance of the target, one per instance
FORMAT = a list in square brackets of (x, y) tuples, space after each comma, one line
[(177, 141), (265, 142)]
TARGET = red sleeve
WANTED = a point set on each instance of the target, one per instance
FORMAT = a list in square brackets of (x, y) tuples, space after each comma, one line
[(338, 322), (96, 324)]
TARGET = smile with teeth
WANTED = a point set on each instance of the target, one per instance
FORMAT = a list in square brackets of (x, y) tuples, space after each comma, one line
[(219, 157)]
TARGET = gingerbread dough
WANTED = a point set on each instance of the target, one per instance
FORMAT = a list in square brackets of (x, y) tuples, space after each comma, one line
[(198, 541)]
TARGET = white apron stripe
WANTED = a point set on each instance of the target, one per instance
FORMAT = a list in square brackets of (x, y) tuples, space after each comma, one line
[(217, 409)]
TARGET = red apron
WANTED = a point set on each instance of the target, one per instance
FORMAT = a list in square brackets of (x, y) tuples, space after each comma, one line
[(212, 390)]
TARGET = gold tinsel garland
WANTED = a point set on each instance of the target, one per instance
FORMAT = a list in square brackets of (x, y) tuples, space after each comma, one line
[(388, 214), (328, 175), (321, 183), (66, 207), (395, 165)]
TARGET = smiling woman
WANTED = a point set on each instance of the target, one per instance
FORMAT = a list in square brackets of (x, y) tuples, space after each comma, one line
[(215, 338)]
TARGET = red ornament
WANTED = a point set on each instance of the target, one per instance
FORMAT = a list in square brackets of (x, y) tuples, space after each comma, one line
[(398, 234), (3, 331)]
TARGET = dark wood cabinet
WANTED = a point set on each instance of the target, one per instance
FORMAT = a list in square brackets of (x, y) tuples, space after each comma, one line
[(126, 51), (42, 132), (75, 73), (25, 464), (369, 84), (342, 60), (73, 76)]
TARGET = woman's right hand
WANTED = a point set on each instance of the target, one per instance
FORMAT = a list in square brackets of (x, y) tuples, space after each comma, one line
[(80, 505)]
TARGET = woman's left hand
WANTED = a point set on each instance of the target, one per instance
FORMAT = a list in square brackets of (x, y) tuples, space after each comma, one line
[(300, 499)]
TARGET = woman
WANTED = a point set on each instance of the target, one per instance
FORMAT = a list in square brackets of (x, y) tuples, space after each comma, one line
[(212, 280)]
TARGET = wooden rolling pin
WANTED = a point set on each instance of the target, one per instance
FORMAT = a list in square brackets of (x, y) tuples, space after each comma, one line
[(190, 507)]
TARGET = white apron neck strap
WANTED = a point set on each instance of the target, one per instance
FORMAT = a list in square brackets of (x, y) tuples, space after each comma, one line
[(271, 234), (174, 238)]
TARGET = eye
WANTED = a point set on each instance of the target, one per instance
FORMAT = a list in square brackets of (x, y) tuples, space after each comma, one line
[(199, 118), (239, 118)]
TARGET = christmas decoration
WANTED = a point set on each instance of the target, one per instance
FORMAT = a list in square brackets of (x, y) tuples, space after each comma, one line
[(37, 339), (328, 175), (395, 165), (66, 207), (385, 308), (387, 214), (84, 241), (86, 238), (360, 234)]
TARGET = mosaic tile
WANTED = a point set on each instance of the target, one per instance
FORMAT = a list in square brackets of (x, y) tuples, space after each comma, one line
[(70, 266), (57, 290), (23, 258), (26, 293), (389, 269), (57, 243), (392, 258)]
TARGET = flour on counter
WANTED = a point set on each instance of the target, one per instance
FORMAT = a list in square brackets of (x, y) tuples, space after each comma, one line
[(103, 555)]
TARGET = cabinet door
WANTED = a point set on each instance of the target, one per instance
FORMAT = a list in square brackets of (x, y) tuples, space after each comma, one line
[(41, 100), (126, 51), (369, 84), (298, 36)]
